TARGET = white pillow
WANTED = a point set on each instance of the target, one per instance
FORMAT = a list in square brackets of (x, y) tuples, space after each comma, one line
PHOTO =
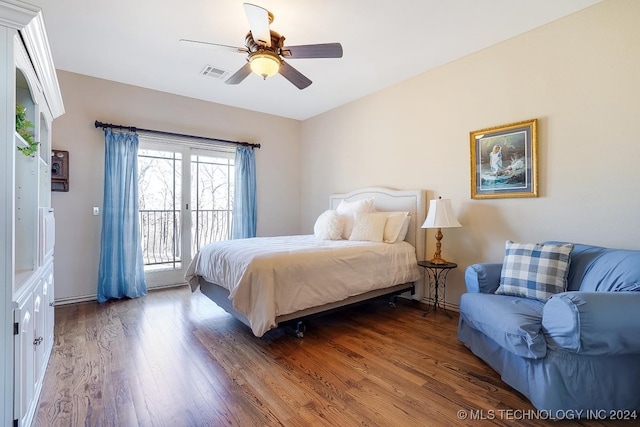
[(368, 226), (403, 230), (393, 226), (347, 210), (328, 226)]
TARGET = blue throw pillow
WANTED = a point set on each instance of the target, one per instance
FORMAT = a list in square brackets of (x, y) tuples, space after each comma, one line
[(535, 270)]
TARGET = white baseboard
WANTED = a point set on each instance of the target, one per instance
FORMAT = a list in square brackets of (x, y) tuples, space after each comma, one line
[(88, 298), (171, 285), (443, 304), (75, 300)]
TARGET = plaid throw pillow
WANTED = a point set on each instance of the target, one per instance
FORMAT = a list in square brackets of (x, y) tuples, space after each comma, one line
[(535, 270)]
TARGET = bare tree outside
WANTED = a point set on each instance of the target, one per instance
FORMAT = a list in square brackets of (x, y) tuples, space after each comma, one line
[(160, 201), (212, 183)]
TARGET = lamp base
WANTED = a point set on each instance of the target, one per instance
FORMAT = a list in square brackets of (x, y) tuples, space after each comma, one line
[(438, 260)]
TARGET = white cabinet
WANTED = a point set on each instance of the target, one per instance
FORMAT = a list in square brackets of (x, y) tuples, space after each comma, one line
[(24, 357), (28, 79), (33, 343), (48, 301), (26, 343)]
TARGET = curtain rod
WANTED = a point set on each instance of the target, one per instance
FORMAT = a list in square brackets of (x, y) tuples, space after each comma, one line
[(99, 124)]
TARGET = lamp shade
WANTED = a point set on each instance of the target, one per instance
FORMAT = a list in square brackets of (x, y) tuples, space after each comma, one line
[(440, 215), (264, 64)]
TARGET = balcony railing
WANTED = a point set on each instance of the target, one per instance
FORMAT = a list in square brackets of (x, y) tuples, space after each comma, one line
[(161, 234), (160, 231), (209, 226)]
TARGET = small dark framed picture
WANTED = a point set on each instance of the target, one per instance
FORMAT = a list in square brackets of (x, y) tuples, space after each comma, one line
[(59, 170), (504, 161)]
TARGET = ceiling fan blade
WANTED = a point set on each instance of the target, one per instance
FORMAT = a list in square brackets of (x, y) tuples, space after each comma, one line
[(216, 45), (239, 75), (324, 50), (258, 18), (294, 76)]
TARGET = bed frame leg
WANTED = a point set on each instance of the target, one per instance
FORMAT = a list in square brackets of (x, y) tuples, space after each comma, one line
[(392, 301), (300, 328)]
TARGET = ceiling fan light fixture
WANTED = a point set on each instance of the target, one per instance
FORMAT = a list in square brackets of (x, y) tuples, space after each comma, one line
[(264, 64), (267, 53)]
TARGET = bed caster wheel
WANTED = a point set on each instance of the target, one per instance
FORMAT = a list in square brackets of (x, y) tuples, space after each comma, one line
[(300, 328)]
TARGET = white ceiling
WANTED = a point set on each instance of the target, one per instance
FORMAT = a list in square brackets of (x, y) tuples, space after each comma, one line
[(384, 42)]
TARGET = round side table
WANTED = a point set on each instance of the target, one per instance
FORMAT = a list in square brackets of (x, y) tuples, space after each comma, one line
[(438, 279)]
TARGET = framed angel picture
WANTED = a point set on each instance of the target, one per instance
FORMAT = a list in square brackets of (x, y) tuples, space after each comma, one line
[(504, 161)]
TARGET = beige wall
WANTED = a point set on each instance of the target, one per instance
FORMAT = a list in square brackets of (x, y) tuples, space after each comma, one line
[(88, 99), (579, 76)]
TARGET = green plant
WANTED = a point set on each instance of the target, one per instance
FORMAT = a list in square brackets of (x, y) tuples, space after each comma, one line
[(22, 127)]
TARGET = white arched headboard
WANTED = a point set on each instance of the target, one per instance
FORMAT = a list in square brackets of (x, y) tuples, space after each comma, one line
[(390, 200)]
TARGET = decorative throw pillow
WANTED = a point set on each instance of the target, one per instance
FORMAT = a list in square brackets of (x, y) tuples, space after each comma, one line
[(347, 209), (535, 270), (328, 226), (404, 230), (368, 226), (393, 226)]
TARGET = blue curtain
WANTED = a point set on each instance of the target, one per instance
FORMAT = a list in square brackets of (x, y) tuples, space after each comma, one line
[(244, 201), (121, 272)]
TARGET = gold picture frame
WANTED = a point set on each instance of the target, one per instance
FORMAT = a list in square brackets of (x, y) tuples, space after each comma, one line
[(504, 161)]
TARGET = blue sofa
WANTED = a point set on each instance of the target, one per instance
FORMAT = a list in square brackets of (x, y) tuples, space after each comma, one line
[(580, 350)]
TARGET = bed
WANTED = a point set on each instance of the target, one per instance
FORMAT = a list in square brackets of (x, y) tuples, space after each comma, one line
[(265, 281)]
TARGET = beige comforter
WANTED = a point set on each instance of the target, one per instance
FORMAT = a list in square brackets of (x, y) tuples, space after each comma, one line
[(274, 276)]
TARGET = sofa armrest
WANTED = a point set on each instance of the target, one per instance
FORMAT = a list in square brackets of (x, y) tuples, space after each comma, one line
[(483, 278), (593, 323)]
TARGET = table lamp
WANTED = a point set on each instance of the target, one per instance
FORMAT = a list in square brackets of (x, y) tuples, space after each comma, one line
[(440, 216)]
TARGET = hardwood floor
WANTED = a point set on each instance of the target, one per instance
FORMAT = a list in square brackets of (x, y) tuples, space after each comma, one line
[(174, 358)]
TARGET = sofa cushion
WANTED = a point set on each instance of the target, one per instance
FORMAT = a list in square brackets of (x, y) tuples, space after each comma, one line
[(607, 270), (599, 269), (534, 270), (514, 323)]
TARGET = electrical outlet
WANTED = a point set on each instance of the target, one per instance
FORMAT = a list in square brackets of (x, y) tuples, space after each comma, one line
[(96, 210)]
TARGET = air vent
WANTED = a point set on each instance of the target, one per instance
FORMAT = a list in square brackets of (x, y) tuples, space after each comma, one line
[(214, 72)]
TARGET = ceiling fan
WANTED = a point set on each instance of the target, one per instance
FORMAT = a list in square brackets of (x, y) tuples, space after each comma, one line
[(266, 50)]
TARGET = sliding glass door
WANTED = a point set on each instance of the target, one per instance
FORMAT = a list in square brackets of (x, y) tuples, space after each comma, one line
[(185, 202), (212, 180)]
